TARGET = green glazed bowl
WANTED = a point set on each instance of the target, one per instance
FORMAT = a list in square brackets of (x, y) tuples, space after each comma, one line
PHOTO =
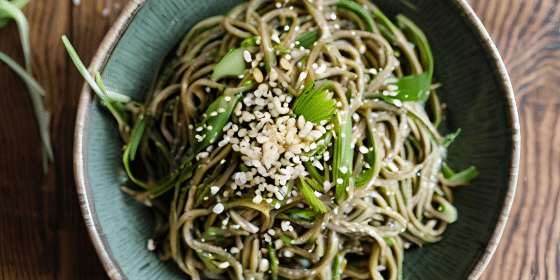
[(475, 87)]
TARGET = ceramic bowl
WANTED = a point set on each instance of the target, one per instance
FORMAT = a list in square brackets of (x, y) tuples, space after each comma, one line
[(475, 87)]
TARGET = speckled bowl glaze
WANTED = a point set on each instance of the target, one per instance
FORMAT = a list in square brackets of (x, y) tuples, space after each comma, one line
[(475, 87)]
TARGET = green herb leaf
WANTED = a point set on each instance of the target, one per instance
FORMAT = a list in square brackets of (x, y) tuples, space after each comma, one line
[(109, 96), (343, 155), (449, 138), (233, 64), (307, 39), (358, 10), (315, 105), (214, 122), (310, 196)]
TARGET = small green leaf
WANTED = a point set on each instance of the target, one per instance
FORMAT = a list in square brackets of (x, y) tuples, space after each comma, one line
[(214, 122), (449, 138), (310, 196), (233, 64), (343, 155), (307, 39), (358, 10), (315, 105)]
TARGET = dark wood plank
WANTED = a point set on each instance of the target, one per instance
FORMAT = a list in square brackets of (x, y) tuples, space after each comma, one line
[(527, 36), (42, 233)]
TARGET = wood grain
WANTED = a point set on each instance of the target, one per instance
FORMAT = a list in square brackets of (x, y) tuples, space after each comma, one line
[(528, 38), (42, 234)]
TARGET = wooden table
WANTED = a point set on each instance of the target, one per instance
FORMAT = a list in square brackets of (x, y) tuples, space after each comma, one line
[(43, 236)]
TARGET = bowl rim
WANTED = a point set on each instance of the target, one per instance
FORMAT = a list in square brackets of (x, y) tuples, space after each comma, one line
[(106, 48)]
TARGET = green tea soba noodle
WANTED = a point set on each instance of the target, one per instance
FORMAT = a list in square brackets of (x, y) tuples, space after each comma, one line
[(293, 140)]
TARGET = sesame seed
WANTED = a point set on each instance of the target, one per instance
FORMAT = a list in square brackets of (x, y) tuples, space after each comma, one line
[(218, 209), (285, 64), (258, 75), (363, 150), (339, 181), (223, 265), (227, 98), (247, 56), (214, 190), (343, 169), (257, 199)]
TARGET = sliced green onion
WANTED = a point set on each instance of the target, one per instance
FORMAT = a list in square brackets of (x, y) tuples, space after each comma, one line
[(214, 123), (137, 135), (251, 41), (370, 158), (322, 145), (338, 261), (462, 176), (343, 155), (307, 39), (313, 172), (449, 138), (286, 239), (315, 185), (300, 214), (310, 196), (358, 10), (417, 87), (273, 261), (233, 64), (110, 96)]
